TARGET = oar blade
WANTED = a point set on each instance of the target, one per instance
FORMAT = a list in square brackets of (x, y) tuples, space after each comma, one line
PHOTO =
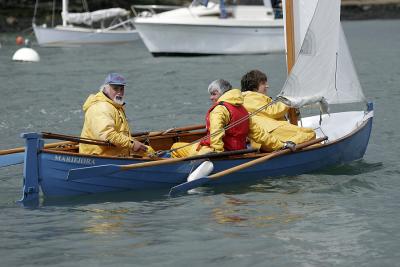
[(12, 159), (184, 187), (94, 171)]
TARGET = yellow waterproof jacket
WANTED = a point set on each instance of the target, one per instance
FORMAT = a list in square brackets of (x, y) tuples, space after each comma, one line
[(220, 117), (105, 120), (271, 116)]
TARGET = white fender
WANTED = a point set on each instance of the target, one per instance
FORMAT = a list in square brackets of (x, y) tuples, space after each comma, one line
[(203, 170)]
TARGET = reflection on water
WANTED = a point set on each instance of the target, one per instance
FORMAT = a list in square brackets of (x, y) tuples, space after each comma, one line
[(109, 197), (104, 221), (255, 213), (353, 168), (343, 216)]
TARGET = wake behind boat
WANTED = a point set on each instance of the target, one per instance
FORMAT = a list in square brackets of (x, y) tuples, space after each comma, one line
[(119, 30), (213, 28)]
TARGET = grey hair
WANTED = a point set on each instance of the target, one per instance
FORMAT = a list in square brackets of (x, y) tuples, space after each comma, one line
[(219, 85)]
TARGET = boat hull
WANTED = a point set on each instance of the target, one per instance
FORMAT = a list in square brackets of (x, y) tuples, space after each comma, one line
[(171, 39), (54, 167), (74, 36)]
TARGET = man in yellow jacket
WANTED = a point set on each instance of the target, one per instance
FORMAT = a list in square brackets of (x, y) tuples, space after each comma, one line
[(227, 109), (105, 120), (254, 89)]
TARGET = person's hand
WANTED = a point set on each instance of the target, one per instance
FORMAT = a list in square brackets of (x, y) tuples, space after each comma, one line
[(290, 145), (138, 147)]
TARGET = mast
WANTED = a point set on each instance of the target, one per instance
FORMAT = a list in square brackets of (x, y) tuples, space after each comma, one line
[(64, 12), (290, 49)]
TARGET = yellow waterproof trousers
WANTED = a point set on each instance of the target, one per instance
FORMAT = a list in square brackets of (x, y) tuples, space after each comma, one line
[(296, 134), (185, 150), (268, 134)]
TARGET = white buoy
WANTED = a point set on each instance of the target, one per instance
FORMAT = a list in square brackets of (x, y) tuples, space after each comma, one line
[(26, 54)]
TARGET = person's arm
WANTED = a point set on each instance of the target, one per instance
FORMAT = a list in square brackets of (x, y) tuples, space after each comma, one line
[(219, 118), (102, 124), (275, 111), (254, 101)]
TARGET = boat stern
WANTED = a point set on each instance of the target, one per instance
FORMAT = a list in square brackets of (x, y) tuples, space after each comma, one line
[(30, 188)]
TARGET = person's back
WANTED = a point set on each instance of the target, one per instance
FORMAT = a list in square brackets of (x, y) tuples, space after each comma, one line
[(227, 109)]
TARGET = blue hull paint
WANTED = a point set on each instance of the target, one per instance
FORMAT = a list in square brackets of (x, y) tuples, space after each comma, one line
[(344, 151), (54, 173), (53, 168)]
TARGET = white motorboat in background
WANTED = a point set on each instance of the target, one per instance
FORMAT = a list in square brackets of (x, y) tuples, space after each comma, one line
[(214, 28), (119, 30)]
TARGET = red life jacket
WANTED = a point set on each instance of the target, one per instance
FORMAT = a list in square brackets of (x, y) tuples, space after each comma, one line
[(235, 137)]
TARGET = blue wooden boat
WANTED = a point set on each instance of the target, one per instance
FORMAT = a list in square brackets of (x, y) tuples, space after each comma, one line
[(48, 169), (333, 77)]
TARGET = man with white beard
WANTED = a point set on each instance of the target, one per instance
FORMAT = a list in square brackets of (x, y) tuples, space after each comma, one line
[(105, 120)]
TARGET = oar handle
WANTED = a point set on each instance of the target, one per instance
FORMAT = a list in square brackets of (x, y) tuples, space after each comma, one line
[(173, 130), (265, 158), (76, 139), (204, 156), (22, 149)]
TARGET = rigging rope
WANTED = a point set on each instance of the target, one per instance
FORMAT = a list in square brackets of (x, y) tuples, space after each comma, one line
[(229, 126)]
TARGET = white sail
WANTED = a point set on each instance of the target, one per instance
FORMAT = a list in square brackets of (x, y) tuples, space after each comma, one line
[(324, 66), (303, 12), (347, 80), (89, 17)]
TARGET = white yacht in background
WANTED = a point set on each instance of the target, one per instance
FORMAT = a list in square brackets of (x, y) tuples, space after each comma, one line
[(214, 28), (68, 34)]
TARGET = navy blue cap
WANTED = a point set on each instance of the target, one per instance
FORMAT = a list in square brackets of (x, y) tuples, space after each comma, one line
[(115, 78)]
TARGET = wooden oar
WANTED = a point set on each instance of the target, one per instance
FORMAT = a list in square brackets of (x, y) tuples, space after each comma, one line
[(22, 149), (16, 155), (203, 180), (12, 159), (76, 139), (102, 170), (172, 130)]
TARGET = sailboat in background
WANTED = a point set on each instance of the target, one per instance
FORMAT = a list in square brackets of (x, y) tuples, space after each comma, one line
[(118, 31), (321, 69), (210, 27)]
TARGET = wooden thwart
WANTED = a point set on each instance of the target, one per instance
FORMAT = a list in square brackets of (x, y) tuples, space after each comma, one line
[(172, 130)]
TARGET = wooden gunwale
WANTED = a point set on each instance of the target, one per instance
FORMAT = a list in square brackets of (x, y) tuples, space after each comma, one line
[(250, 155)]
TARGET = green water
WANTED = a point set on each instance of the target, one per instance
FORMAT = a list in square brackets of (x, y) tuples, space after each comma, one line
[(345, 216)]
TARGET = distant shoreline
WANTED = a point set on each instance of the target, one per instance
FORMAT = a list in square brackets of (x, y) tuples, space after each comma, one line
[(21, 19), (370, 9)]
